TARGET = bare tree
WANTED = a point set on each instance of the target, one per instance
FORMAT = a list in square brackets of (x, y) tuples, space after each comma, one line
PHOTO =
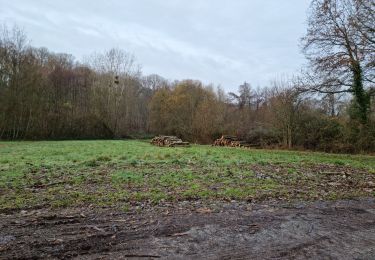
[(365, 22), (117, 88), (154, 82), (16, 81), (337, 46), (284, 103)]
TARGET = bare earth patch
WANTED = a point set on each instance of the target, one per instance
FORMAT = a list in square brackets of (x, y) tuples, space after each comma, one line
[(193, 230)]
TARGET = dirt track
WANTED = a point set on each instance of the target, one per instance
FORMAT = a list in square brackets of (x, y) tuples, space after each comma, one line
[(328, 230)]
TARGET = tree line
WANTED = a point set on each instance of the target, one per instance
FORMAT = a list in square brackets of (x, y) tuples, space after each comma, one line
[(329, 107)]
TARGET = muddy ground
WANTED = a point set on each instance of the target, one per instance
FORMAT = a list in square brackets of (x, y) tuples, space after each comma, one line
[(319, 230)]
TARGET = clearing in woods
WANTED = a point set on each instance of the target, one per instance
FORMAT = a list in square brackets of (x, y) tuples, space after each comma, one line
[(88, 193)]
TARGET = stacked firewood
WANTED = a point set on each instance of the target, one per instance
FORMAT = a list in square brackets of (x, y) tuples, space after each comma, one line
[(232, 141), (169, 141)]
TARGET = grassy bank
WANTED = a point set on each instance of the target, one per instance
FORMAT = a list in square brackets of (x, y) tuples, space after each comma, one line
[(123, 173)]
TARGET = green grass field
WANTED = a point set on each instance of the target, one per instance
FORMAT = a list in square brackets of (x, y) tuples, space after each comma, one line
[(124, 173)]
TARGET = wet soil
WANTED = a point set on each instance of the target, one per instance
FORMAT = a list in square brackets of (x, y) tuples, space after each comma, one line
[(192, 230)]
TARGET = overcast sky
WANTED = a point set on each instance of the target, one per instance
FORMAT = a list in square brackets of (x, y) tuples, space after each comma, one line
[(217, 41)]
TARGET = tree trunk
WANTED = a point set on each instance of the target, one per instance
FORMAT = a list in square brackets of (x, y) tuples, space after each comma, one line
[(289, 137), (362, 98)]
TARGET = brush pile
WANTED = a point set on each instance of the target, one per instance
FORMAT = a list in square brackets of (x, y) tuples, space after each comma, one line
[(231, 141), (169, 141)]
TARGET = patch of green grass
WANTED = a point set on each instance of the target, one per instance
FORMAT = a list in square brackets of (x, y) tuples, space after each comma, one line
[(339, 162), (126, 177), (109, 173)]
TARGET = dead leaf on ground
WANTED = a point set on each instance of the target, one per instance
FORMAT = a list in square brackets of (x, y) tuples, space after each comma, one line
[(204, 210)]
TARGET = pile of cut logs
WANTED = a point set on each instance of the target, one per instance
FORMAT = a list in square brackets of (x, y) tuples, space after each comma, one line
[(232, 141), (169, 141)]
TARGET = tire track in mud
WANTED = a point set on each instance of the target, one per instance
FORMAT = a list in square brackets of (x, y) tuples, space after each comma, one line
[(341, 230)]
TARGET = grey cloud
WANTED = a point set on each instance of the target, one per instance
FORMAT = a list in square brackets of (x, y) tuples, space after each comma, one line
[(224, 41)]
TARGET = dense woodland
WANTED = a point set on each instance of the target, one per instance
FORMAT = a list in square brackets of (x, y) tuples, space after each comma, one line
[(329, 106)]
